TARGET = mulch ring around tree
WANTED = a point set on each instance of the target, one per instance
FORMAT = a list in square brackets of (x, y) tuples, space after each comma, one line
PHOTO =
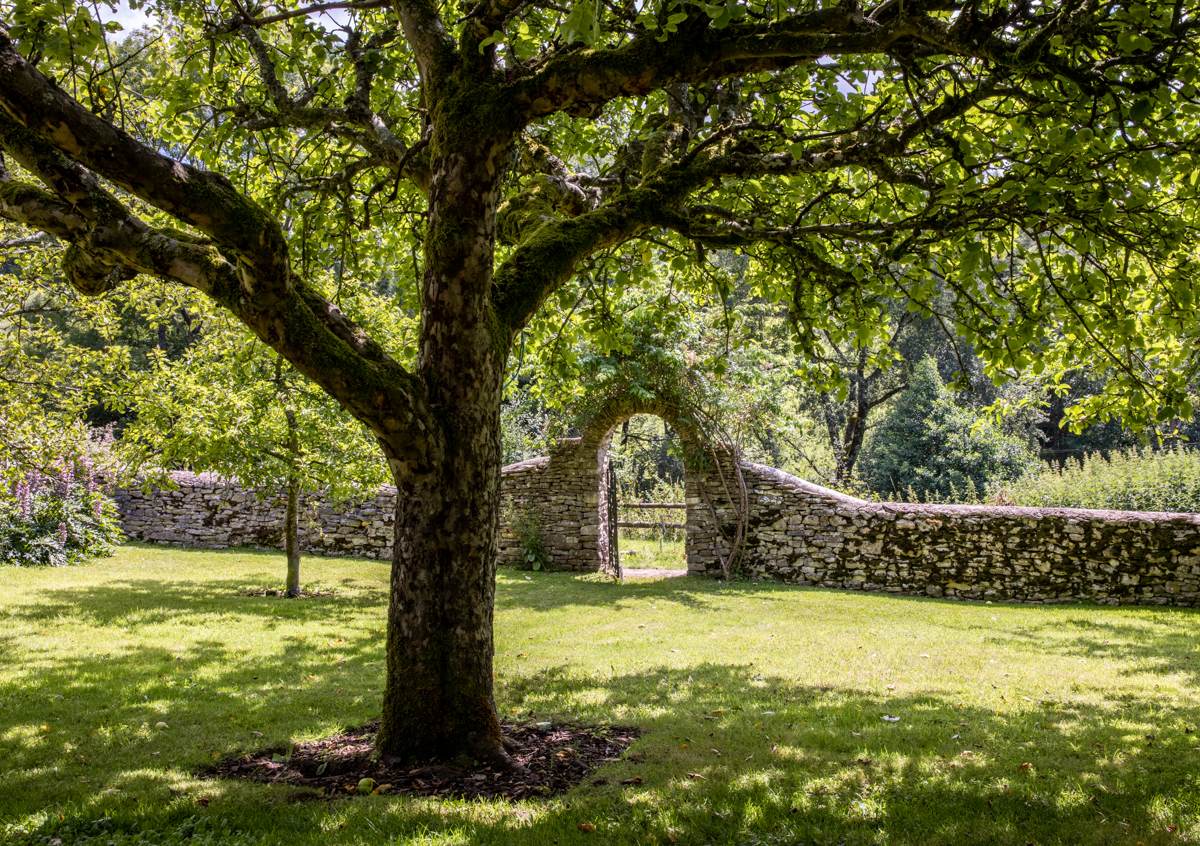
[(558, 757), (304, 594)]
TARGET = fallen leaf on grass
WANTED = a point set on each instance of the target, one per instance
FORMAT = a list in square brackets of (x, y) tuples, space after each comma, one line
[(1025, 766), (585, 826), (634, 780)]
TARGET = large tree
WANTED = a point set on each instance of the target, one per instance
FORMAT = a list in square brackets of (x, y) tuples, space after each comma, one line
[(1028, 153)]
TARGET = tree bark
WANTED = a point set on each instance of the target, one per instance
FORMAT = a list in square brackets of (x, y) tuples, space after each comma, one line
[(291, 539), (438, 695), (291, 529)]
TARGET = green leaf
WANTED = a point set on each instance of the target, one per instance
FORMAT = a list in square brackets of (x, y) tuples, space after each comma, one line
[(1141, 109)]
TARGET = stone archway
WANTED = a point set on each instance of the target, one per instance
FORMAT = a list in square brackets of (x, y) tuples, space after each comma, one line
[(597, 440), (568, 487)]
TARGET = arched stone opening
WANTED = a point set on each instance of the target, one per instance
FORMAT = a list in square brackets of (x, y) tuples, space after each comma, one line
[(797, 532), (569, 489), (597, 440)]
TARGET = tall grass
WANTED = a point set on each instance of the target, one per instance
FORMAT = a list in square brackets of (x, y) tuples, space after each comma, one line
[(1132, 480)]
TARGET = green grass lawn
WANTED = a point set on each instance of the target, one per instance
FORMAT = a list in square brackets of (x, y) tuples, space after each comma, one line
[(1016, 724), (651, 553)]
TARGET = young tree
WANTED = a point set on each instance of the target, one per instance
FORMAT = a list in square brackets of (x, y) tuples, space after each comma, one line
[(830, 142), (235, 407)]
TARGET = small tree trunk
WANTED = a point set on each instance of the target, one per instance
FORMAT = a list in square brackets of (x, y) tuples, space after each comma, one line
[(291, 535), (291, 530)]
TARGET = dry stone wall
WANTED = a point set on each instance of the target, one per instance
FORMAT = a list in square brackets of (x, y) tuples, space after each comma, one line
[(796, 532), (206, 511), (561, 494), (808, 535)]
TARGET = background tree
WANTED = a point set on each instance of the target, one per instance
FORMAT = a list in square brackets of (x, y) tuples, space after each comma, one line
[(873, 375), (929, 446), (47, 383), (830, 144), (234, 407)]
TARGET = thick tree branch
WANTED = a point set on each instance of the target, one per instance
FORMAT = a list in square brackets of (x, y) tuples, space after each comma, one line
[(204, 200), (549, 256), (429, 40), (110, 245), (581, 82)]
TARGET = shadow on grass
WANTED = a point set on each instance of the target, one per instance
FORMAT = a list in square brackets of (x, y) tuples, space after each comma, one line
[(796, 764), (793, 763), (157, 601)]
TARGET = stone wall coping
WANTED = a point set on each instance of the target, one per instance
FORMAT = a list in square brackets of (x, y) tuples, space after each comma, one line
[(998, 511), (186, 478), (787, 480), (527, 464)]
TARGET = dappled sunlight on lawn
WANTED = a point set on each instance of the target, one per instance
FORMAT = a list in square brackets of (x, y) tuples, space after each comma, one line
[(763, 707)]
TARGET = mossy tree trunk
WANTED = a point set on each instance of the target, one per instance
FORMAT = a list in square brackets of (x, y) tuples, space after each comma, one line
[(438, 694)]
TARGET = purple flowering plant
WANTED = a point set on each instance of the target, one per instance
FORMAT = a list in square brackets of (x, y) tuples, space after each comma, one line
[(56, 516)]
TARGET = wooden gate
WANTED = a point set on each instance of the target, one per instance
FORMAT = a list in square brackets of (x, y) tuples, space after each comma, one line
[(614, 532)]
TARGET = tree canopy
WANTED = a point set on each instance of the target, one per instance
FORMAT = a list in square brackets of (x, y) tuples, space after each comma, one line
[(1023, 172)]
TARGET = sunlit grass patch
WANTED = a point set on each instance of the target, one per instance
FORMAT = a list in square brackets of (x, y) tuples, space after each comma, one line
[(652, 554), (764, 709)]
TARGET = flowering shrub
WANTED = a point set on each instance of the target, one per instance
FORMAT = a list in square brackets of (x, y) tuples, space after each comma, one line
[(57, 518)]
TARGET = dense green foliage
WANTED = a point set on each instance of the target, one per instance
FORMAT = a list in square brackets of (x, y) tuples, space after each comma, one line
[(928, 445), (1126, 480), (230, 405), (48, 379)]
